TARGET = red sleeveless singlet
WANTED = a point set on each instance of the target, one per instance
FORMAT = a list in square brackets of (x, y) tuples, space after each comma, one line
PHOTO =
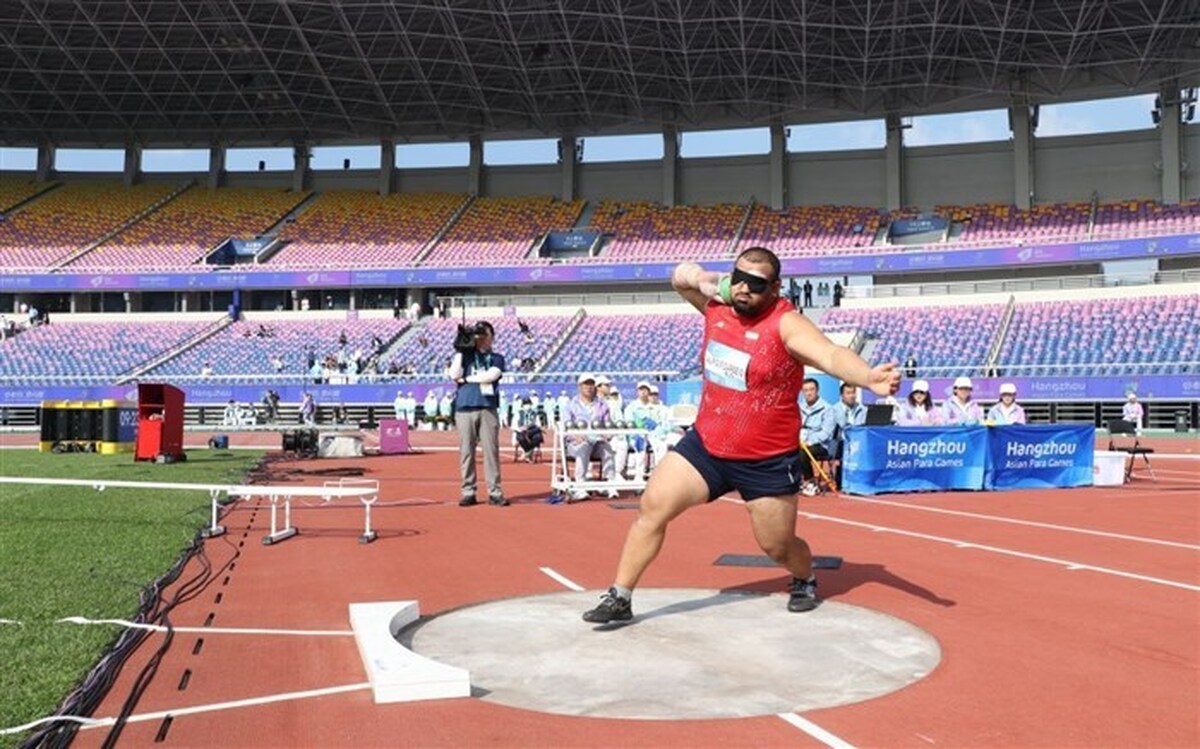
[(749, 405)]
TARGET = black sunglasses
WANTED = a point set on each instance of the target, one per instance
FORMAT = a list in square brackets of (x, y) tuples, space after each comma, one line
[(756, 284)]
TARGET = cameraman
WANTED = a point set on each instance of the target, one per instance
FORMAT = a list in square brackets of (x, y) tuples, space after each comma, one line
[(477, 371)]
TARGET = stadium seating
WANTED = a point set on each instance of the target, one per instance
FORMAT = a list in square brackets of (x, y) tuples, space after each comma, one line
[(240, 350), (649, 231), (1109, 336), (186, 229), (502, 230), (642, 344), (1141, 217), (945, 340), (1007, 223), (78, 350), (428, 350), (70, 218), (358, 227), (811, 230), (14, 190)]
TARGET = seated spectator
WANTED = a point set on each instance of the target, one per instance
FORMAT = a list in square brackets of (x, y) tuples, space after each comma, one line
[(589, 409), (816, 432), (919, 410), (1007, 411), (847, 412), (529, 439), (1133, 411), (446, 410), (638, 415), (959, 409), (207, 369)]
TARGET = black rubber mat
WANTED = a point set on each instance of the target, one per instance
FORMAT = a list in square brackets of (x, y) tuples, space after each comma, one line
[(762, 560)]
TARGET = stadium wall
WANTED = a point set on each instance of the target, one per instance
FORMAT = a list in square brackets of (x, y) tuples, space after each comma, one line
[(960, 174), (724, 180), (621, 180), (518, 181), (426, 180), (1191, 155), (1114, 165), (843, 178), (1068, 168)]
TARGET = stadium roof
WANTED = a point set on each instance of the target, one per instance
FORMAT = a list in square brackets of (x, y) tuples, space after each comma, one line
[(244, 71)]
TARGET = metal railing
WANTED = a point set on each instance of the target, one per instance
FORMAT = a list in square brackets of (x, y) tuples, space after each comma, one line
[(1009, 285)]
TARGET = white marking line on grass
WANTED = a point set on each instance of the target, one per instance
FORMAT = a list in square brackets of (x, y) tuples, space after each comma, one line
[(818, 733), (248, 702), (562, 580), (1068, 564), (1031, 523), (213, 630)]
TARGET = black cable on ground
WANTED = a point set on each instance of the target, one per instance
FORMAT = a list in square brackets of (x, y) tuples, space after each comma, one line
[(84, 699)]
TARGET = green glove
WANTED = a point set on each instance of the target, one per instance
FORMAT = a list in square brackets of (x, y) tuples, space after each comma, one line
[(725, 289)]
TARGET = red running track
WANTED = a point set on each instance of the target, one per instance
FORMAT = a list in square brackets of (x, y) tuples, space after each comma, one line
[(1075, 627)]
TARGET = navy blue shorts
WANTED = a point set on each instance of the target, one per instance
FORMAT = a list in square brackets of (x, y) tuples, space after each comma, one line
[(779, 476)]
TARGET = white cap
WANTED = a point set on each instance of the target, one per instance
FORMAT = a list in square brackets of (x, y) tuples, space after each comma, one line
[(603, 380), (963, 382), (643, 384), (1008, 387), (921, 385), (586, 378), (653, 390), (1132, 396)]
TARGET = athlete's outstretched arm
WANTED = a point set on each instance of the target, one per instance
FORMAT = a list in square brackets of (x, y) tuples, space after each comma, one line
[(807, 343), (695, 284)]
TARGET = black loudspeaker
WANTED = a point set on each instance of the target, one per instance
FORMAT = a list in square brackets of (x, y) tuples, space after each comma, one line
[(302, 442)]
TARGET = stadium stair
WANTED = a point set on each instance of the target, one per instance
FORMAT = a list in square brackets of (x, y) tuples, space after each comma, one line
[(741, 230), (220, 324), (561, 341), (22, 203), (1001, 334), (60, 264), (442, 232)]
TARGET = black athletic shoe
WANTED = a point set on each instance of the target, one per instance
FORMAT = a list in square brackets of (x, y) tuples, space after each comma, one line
[(467, 501), (803, 594), (612, 608), (498, 501)]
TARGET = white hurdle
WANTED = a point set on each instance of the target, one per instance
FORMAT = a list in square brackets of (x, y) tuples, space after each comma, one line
[(367, 500), (231, 491)]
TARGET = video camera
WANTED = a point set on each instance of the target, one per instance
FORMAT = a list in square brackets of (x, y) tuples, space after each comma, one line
[(464, 340)]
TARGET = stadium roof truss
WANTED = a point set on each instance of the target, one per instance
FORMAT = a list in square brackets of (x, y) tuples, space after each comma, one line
[(114, 72)]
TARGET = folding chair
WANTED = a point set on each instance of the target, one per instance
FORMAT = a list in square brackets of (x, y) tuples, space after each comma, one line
[(1119, 427)]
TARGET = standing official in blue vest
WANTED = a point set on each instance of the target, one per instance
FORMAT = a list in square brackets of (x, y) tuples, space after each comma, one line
[(477, 371)]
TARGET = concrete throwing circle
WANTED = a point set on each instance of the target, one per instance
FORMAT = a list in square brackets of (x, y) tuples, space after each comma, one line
[(687, 654)]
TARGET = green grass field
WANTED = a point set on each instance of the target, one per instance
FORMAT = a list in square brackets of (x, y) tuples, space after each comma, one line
[(67, 551)]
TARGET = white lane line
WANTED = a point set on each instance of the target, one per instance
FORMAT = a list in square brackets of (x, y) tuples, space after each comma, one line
[(233, 704), (213, 630), (562, 580), (818, 733), (1008, 552), (1031, 523)]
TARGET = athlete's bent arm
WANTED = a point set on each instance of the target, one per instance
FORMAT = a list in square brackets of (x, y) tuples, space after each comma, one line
[(806, 342), (695, 284)]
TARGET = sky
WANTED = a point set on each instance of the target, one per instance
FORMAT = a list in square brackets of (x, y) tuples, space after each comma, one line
[(1100, 116)]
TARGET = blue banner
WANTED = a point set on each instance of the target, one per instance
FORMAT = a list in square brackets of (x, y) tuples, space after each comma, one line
[(1059, 389), (558, 241), (878, 460), (267, 276), (907, 226), (1040, 456)]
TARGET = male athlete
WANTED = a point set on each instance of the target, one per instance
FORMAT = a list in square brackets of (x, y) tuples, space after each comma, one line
[(747, 430)]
